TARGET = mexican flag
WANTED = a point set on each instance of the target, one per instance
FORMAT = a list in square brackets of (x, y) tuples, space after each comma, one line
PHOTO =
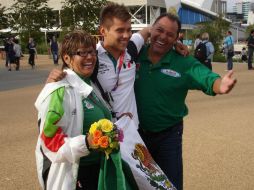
[(132, 167)]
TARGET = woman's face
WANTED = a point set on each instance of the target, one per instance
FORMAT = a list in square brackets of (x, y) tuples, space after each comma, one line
[(83, 61)]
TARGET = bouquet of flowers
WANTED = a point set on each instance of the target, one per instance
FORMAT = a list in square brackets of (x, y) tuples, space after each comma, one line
[(105, 136)]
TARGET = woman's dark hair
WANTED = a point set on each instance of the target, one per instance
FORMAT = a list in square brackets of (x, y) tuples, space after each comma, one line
[(73, 41)]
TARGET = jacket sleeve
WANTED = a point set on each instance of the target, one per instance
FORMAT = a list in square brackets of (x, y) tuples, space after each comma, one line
[(57, 145)]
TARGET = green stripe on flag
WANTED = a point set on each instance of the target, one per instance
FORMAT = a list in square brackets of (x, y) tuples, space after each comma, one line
[(112, 174)]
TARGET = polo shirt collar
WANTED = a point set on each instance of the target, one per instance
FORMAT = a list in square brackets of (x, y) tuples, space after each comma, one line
[(163, 61), (100, 48)]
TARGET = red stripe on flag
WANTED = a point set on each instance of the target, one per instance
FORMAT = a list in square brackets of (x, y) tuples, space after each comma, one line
[(55, 142)]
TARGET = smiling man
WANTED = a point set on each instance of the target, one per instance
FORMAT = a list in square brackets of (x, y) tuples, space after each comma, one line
[(162, 83)]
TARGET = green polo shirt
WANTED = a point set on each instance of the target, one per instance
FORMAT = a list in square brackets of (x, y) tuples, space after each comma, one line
[(161, 88)]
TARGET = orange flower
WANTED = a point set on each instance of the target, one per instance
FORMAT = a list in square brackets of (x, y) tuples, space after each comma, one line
[(97, 134), (95, 142), (103, 142)]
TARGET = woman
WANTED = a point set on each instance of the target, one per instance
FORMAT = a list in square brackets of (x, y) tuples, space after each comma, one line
[(66, 111)]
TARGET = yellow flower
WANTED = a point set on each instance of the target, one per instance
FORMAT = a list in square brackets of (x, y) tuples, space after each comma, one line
[(93, 127), (106, 125)]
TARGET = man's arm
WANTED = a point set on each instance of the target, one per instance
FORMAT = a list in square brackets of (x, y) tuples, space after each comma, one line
[(224, 85)]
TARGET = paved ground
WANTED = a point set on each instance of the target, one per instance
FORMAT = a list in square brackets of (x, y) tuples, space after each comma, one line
[(218, 134)]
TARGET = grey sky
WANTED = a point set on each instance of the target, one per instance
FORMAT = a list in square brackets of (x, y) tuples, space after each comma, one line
[(230, 4)]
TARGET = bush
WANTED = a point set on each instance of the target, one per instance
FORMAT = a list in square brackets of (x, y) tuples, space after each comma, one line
[(219, 57), (42, 48)]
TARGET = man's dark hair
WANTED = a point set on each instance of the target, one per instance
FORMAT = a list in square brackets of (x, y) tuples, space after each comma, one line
[(113, 10), (170, 17), (230, 33)]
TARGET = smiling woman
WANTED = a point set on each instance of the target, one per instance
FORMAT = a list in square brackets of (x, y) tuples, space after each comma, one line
[(67, 109), (79, 53)]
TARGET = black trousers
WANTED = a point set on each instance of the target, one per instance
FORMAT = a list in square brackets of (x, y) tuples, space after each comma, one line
[(88, 177)]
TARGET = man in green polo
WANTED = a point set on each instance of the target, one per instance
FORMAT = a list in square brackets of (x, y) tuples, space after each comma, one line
[(163, 79)]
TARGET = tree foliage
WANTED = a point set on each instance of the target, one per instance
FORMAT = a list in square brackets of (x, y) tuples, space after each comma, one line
[(248, 30), (29, 16), (3, 17), (216, 30), (81, 14)]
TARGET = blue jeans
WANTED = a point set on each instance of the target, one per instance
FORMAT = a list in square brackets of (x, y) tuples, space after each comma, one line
[(166, 149), (230, 62), (55, 57)]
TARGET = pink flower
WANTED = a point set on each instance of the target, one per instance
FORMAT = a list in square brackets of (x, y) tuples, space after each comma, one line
[(120, 135)]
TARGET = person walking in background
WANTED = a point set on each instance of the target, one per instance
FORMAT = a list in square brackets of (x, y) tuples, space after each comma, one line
[(6, 49), (181, 36), (18, 53), (229, 49), (209, 50), (197, 41), (31, 46), (244, 56), (54, 50), (11, 53), (250, 43)]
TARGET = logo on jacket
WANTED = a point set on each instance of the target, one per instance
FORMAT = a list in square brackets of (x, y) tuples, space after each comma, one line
[(88, 105), (170, 72), (74, 112)]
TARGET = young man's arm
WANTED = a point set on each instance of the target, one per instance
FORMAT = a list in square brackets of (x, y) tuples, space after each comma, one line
[(145, 33), (224, 85), (55, 75)]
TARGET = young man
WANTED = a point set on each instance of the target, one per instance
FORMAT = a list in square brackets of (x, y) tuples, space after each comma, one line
[(117, 65), (162, 83)]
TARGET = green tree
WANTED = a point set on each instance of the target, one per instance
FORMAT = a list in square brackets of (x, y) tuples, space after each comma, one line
[(3, 17), (216, 30), (248, 29), (28, 16), (81, 14)]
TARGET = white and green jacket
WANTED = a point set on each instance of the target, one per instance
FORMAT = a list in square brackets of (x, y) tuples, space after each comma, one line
[(61, 143)]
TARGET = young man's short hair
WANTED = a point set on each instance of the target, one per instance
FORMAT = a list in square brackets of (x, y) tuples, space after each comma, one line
[(113, 10)]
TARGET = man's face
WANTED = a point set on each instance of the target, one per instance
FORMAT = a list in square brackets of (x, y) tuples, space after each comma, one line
[(117, 36), (163, 35)]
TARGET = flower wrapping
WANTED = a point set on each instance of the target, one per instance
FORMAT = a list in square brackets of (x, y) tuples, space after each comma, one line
[(105, 136)]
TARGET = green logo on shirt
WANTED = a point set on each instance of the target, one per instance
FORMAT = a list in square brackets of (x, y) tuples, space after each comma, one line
[(170, 73)]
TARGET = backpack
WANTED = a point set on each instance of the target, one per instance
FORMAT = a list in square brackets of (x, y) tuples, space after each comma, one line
[(200, 52)]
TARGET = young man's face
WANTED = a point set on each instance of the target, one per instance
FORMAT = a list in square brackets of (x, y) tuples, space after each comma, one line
[(163, 35), (117, 36)]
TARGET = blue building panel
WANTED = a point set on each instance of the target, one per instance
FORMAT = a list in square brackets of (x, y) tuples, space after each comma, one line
[(191, 17)]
